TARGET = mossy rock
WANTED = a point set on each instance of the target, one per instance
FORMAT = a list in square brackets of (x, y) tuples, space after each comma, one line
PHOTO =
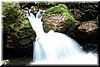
[(57, 22), (62, 9)]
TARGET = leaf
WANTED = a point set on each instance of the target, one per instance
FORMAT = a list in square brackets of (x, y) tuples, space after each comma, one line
[(12, 26)]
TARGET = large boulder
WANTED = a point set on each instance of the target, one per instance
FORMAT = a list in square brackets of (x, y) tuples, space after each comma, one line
[(56, 22), (59, 19), (18, 35), (88, 27), (88, 35), (19, 43)]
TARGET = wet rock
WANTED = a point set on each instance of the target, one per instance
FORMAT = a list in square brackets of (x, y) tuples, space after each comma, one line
[(87, 36), (18, 34), (88, 27), (57, 22), (5, 63), (20, 40)]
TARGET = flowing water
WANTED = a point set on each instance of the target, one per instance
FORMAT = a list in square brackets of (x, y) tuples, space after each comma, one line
[(57, 48)]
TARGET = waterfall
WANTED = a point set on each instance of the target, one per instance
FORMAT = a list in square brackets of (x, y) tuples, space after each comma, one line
[(56, 48)]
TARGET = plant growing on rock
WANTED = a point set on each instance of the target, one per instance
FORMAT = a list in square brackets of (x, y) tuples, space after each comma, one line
[(19, 33), (12, 15), (62, 9)]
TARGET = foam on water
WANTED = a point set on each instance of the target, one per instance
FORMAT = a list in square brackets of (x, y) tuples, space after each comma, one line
[(56, 48)]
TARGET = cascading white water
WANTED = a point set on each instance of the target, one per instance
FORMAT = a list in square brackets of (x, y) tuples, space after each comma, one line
[(57, 48)]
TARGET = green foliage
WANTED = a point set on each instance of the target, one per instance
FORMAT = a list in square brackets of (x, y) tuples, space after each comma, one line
[(95, 21), (12, 15), (61, 8), (10, 10), (12, 26)]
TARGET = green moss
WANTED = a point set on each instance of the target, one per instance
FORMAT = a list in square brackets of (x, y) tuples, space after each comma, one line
[(13, 17), (95, 21), (61, 8)]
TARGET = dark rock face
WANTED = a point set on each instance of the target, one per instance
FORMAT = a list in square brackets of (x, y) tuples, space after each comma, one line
[(87, 36), (57, 22), (84, 11), (89, 42), (18, 35), (19, 42), (17, 47)]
